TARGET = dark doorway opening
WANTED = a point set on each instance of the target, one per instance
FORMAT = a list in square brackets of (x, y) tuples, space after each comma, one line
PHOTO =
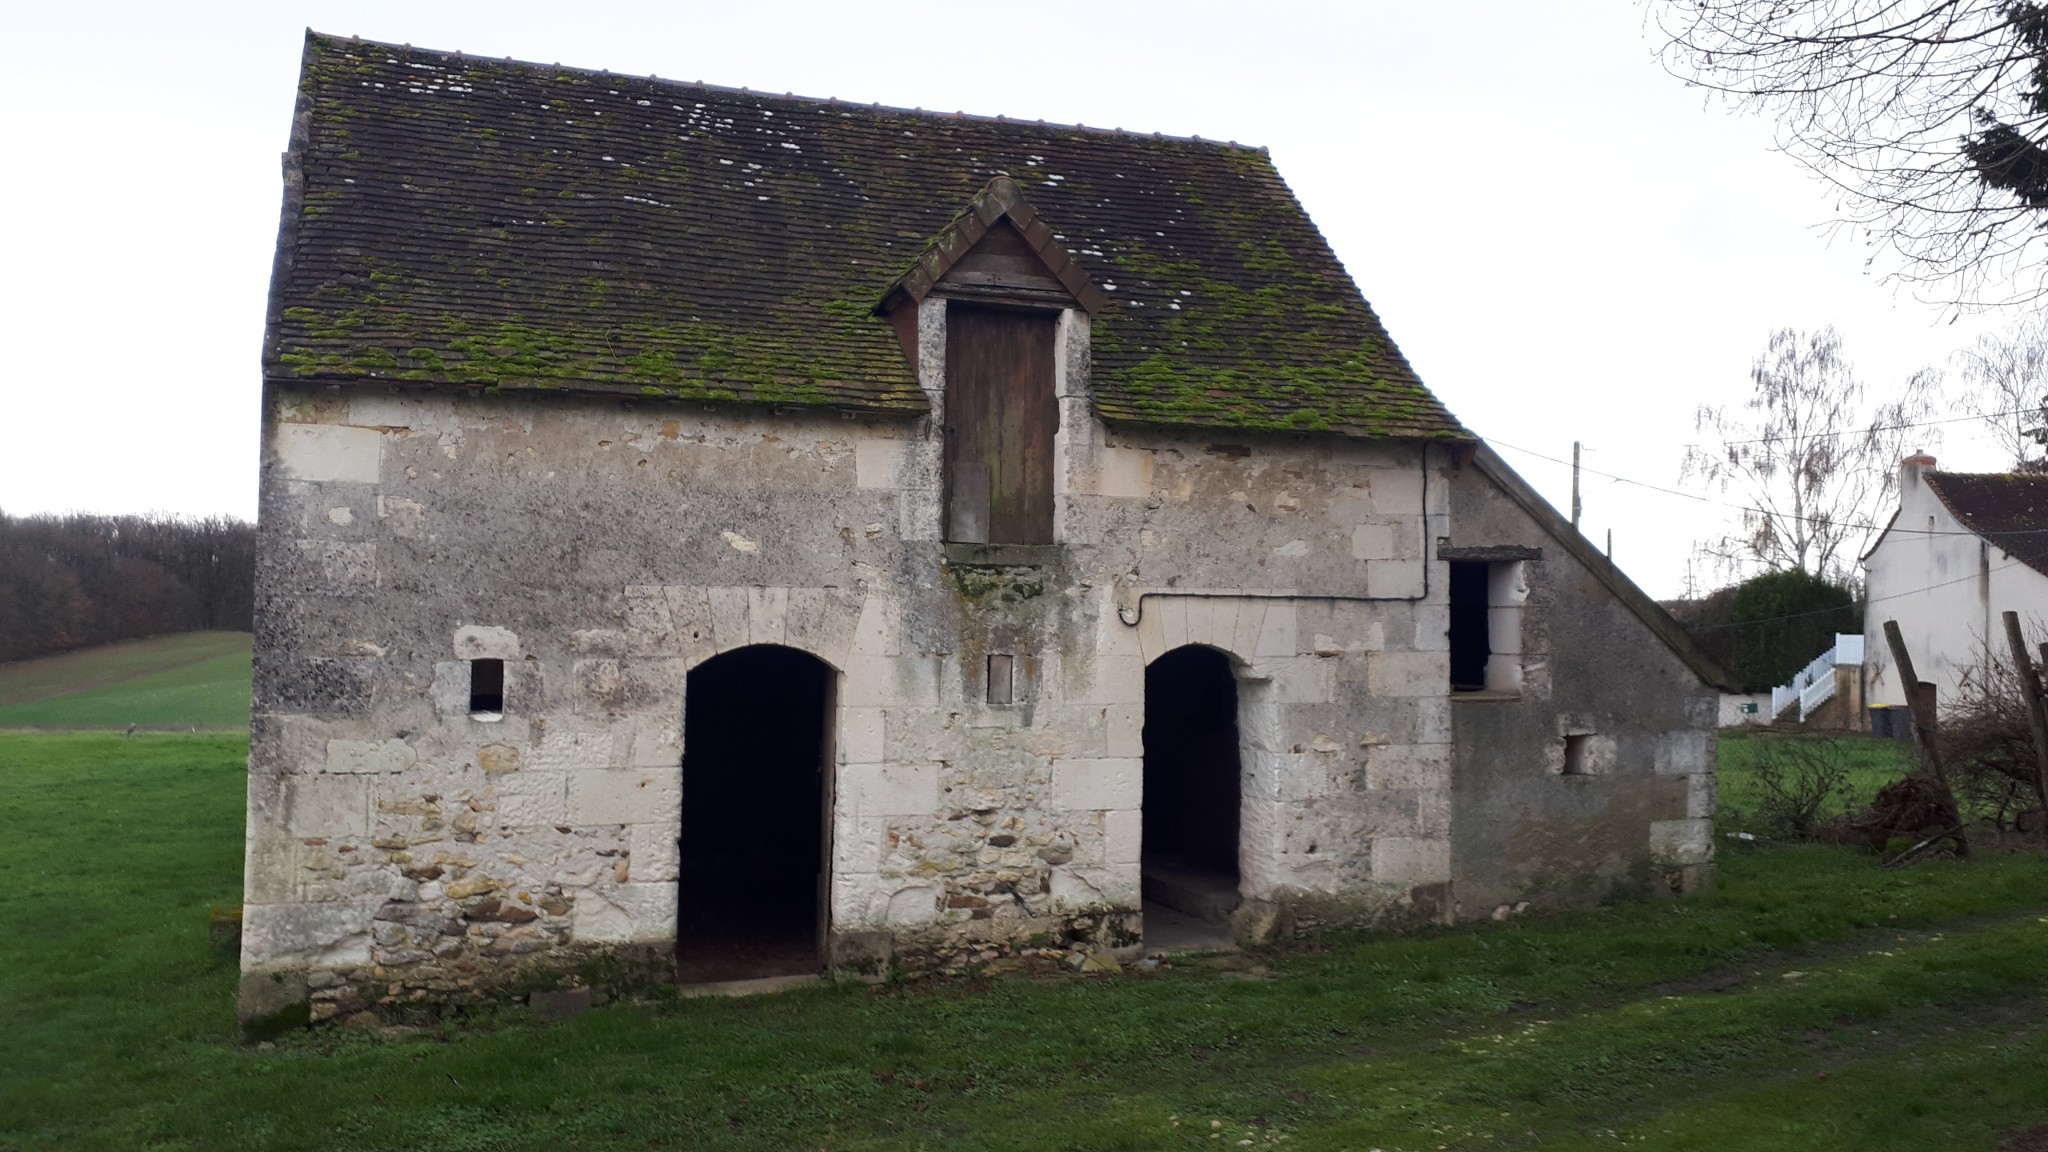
[(1193, 793), (752, 875), (1470, 643)]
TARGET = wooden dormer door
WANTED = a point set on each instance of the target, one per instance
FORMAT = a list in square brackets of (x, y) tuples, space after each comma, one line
[(1001, 416)]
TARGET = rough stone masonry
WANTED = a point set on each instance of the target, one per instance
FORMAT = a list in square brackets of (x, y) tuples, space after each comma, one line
[(579, 387)]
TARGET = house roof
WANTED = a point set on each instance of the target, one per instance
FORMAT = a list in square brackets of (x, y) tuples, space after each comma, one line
[(453, 221), (2009, 509)]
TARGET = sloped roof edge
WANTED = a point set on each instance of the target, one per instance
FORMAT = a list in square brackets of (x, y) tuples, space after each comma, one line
[(1638, 602), (1881, 534)]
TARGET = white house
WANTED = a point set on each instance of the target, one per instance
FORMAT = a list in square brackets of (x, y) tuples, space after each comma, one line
[(1962, 548)]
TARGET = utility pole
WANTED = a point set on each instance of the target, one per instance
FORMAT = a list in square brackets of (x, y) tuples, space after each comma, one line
[(1575, 485), (1610, 545)]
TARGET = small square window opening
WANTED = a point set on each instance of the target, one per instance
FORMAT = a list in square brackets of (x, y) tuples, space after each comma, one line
[(1575, 755), (486, 687)]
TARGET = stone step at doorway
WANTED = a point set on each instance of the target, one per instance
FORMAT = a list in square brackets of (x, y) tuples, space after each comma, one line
[(1205, 894)]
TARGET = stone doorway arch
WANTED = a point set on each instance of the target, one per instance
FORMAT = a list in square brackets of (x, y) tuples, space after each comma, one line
[(1193, 800), (753, 880)]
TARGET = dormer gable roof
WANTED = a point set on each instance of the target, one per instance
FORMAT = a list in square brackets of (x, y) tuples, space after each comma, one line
[(997, 213)]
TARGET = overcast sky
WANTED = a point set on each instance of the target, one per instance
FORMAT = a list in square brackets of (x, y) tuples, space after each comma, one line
[(1566, 242)]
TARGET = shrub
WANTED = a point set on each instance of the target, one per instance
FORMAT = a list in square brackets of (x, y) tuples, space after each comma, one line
[(1799, 781), (1782, 620), (1987, 744), (1768, 627)]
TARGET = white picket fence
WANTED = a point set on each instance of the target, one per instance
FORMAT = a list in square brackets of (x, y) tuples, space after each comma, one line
[(1814, 685)]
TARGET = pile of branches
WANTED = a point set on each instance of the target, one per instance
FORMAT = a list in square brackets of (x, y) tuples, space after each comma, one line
[(1804, 794), (1987, 745), (1918, 806)]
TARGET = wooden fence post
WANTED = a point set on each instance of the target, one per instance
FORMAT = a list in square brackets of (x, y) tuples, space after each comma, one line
[(1923, 721), (2037, 709)]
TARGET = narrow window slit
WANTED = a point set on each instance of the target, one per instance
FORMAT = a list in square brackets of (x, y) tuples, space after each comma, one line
[(1470, 644), (1002, 682), (486, 686)]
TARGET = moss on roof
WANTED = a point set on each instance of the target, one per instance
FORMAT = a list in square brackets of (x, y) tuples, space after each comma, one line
[(467, 222)]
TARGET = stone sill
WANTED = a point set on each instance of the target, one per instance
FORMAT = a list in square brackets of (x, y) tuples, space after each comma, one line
[(1005, 555), (1485, 697)]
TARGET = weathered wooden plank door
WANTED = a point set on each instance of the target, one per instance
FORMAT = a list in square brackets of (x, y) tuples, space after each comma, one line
[(1001, 416)]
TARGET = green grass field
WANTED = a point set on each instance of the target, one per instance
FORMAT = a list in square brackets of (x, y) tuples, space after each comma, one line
[(1873, 763), (191, 679), (1813, 1001)]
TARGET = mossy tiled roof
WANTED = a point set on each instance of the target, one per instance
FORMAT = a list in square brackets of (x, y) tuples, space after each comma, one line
[(467, 222)]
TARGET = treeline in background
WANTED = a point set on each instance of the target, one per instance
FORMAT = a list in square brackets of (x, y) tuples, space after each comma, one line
[(71, 581)]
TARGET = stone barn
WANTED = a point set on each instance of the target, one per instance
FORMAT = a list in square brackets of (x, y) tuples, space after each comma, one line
[(708, 535)]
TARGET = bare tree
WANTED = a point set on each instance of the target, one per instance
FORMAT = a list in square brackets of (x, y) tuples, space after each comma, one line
[(2006, 375), (1813, 468), (1929, 116)]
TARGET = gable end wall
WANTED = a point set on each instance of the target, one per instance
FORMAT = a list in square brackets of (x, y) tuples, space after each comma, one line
[(1523, 833)]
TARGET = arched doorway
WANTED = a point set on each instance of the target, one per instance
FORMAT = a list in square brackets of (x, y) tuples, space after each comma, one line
[(756, 788), (1193, 796)]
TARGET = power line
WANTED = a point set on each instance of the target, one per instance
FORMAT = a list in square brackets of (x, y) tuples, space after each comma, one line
[(1890, 427), (1863, 603), (1766, 512)]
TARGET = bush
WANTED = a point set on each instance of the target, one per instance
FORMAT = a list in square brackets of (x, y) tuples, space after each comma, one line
[(1782, 620), (1768, 627), (1987, 744), (1798, 782)]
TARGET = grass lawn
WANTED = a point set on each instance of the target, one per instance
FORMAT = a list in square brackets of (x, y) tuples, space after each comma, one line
[(1872, 762), (1812, 1002), (188, 679)]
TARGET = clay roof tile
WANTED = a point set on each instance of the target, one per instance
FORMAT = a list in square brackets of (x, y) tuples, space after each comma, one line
[(455, 221)]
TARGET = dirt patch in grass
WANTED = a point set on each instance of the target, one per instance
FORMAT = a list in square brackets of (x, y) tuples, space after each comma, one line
[(2033, 1139)]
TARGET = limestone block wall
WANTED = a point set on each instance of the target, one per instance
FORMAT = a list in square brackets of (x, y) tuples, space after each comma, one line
[(403, 850)]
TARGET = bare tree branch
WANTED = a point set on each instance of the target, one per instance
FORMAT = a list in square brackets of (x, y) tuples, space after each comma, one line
[(1930, 117), (1813, 465), (2006, 375)]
